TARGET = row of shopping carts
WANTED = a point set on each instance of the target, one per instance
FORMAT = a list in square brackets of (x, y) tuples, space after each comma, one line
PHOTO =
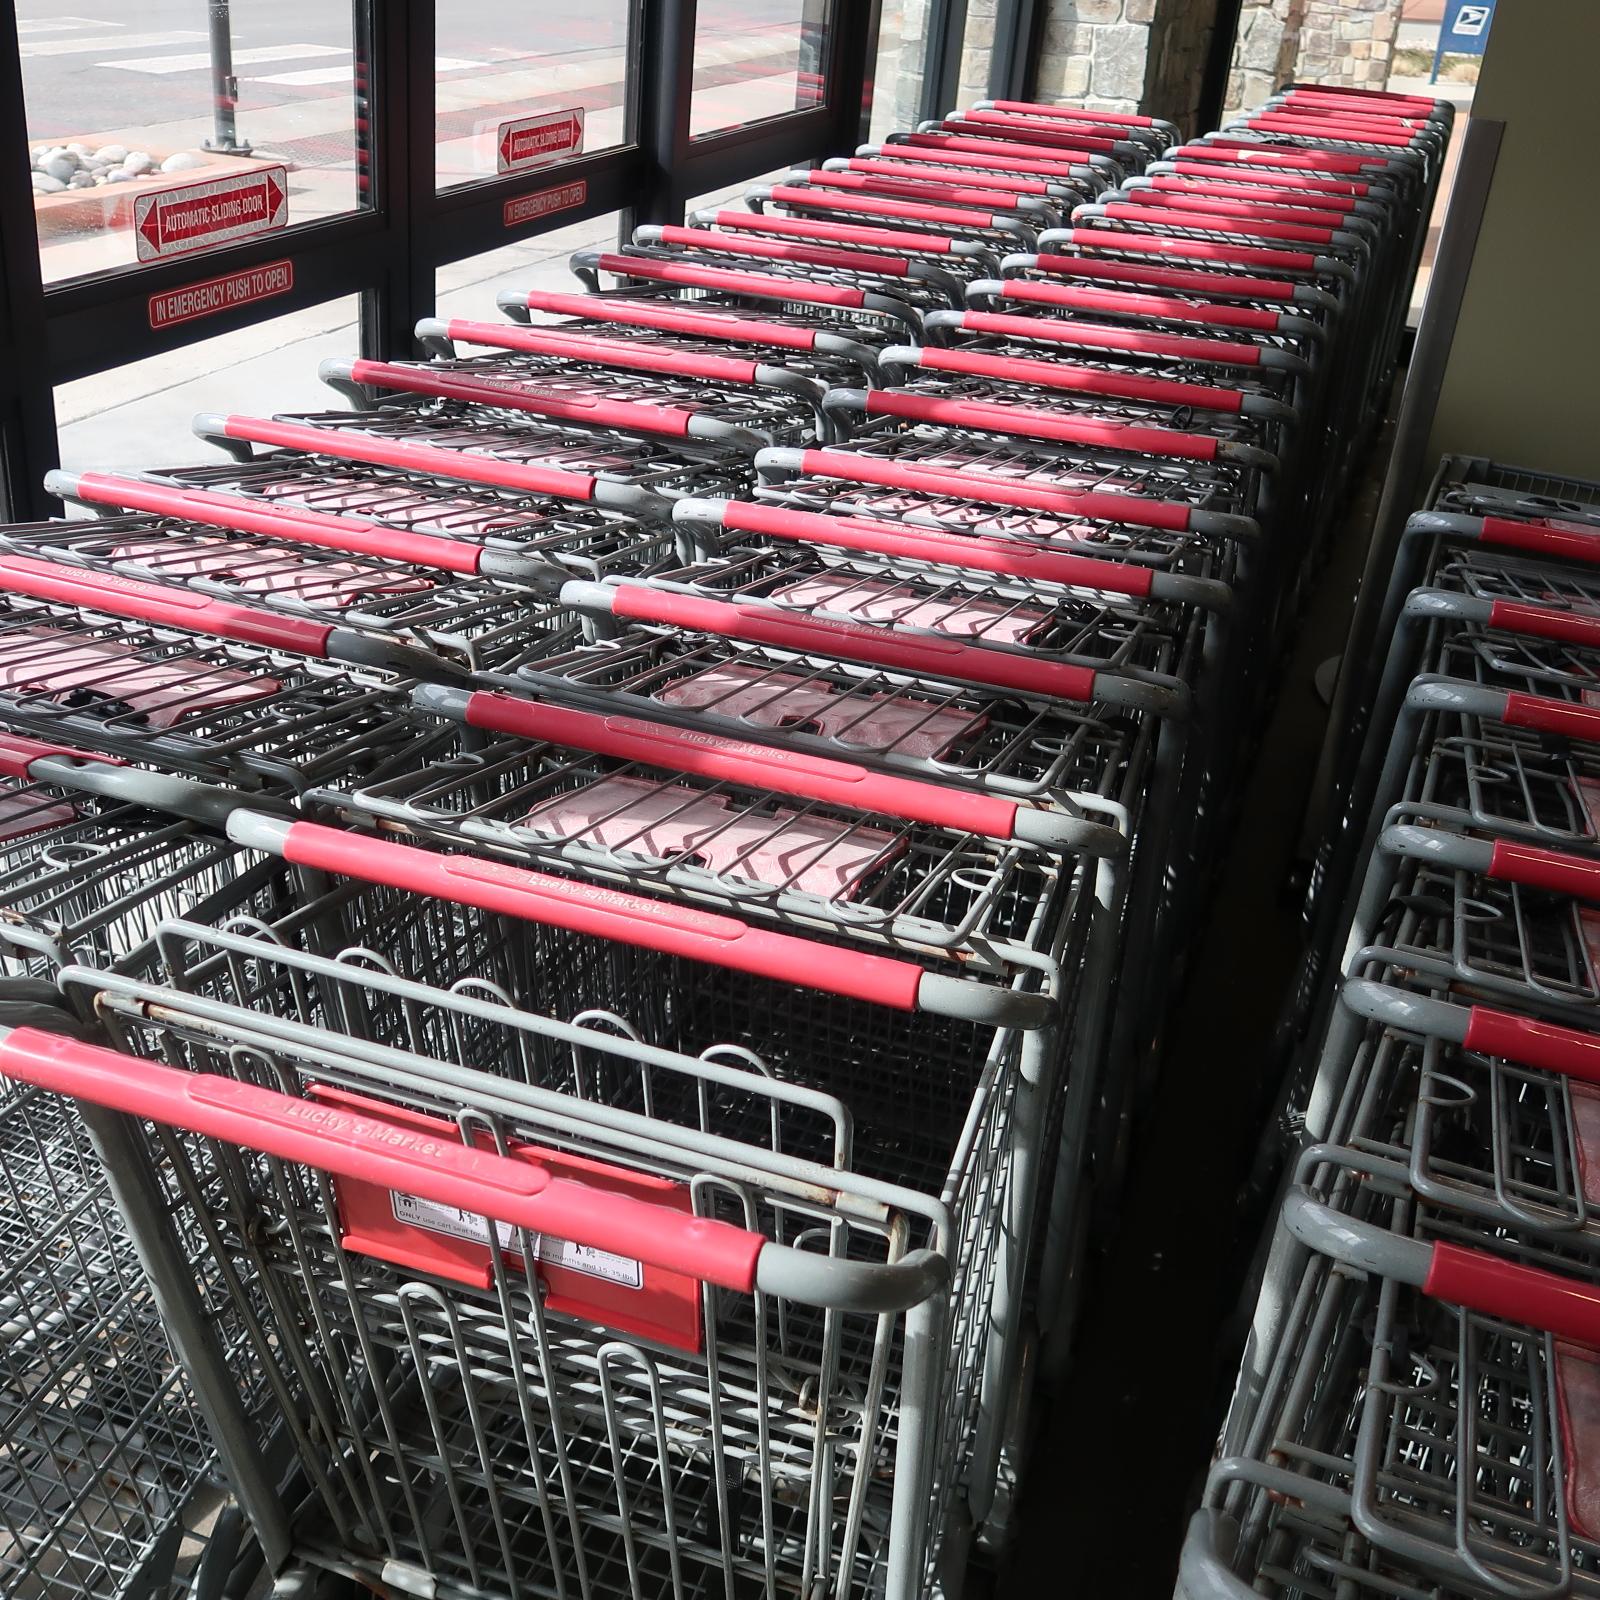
[(584, 933), (1419, 1400)]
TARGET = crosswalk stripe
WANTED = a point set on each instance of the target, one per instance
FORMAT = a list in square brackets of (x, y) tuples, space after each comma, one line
[(311, 75), (188, 63), (104, 41), (63, 25)]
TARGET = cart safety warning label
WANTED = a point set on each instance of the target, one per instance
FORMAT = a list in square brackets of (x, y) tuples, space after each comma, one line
[(221, 294), (530, 207), (201, 216), (537, 141), (459, 1224)]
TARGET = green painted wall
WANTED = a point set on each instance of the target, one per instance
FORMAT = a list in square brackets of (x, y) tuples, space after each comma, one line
[(1523, 382)]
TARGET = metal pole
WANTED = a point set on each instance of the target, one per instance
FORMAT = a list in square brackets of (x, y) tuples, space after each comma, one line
[(224, 85)]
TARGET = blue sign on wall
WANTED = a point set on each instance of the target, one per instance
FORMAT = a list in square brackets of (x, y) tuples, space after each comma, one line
[(1463, 31)]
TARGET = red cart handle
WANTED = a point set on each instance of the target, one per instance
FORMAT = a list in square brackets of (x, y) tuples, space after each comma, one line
[(631, 355), (1246, 208), (18, 754), (990, 146), (1569, 540), (1526, 1296), (1568, 1052), (1192, 249), (1326, 189), (1542, 622), (758, 285), (1329, 95), (1195, 222), (595, 411), (1251, 152), (945, 192), (114, 595), (275, 520), (1127, 303), (879, 206), (992, 488), (853, 641), (1538, 868), (593, 909), (1335, 131), (666, 317), (996, 125), (1350, 116), (816, 255), (907, 241), (348, 1144), (1552, 716), (1098, 336), (1108, 381), (1146, 274), (911, 172), (1009, 558), (925, 148), (710, 755), (1115, 119), (465, 466), (1032, 423)]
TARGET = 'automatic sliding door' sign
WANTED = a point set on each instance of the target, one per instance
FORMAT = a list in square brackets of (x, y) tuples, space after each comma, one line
[(538, 141), (200, 216)]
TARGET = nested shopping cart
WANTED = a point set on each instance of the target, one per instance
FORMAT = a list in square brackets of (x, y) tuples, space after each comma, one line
[(832, 355), (1057, 192), (980, 1053), (1055, 167)]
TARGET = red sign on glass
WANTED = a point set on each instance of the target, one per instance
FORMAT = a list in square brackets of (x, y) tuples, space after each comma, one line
[(201, 216), (530, 207), (538, 140), (232, 289)]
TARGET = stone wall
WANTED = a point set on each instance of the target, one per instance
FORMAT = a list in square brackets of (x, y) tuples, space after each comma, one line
[(1348, 42), (1265, 50)]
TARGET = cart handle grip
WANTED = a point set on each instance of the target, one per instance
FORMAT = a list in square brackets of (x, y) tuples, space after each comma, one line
[(1362, 116), (714, 756), (1153, 244), (1542, 622), (299, 525), (930, 188), (1190, 164), (758, 285), (1106, 381), (1133, 303), (665, 317), (1114, 119), (990, 487), (1570, 540), (1009, 558), (776, 249), (1168, 195), (1335, 131), (1199, 222), (596, 411), (988, 144), (1258, 193), (853, 641), (1031, 423), (117, 596), (631, 355), (789, 194), (1374, 97), (1471, 1279), (1539, 868), (463, 466), (1252, 152), (1101, 336), (348, 1144), (891, 240), (1151, 275), (18, 753), (604, 913), (1551, 716), (1056, 166), (916, 172), (1014, 130)]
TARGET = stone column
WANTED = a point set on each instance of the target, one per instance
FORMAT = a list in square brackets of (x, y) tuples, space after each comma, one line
[(1265, 50), (1348, 42)]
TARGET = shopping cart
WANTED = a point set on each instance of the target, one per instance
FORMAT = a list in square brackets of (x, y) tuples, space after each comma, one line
[(815, 350), (1056, 168)]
